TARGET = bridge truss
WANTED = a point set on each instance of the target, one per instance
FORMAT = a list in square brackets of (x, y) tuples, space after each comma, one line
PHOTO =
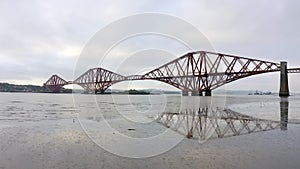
[(294, 70), (54, 83), (206, 123), (195, 72), (98, 79), (204, 71)]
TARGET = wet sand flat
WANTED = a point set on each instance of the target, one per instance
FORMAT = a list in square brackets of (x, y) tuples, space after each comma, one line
[(63, 144)]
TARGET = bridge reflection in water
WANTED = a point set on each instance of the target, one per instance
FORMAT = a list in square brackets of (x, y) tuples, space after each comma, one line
[(284, 112), (206, 122)]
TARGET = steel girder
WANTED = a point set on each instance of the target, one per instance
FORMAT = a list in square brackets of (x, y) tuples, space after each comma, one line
[(97, 80), (205, 71), (206, 123), (193, 72), (294, 70), (54, 83)]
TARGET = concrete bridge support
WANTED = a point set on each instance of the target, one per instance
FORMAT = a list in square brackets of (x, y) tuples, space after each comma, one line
[(98, 91), (201, 93), (208, 93), (184, 93), (284, 113), (284, 83), (197, 93)]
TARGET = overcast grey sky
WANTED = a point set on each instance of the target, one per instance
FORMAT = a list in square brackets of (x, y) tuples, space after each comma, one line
[(41, 38)]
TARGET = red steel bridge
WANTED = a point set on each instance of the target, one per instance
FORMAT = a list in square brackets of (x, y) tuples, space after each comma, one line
[(196, 72)]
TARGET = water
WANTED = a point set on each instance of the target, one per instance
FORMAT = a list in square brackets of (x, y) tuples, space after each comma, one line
[(37, 106), (125, 125), (266, 107)]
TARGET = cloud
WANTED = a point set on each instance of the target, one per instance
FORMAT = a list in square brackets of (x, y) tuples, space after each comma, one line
[(39, 38)]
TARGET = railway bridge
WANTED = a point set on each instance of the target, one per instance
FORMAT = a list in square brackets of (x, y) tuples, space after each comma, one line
[(196, 72)]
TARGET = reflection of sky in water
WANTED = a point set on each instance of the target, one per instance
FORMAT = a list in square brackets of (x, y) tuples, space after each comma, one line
[(262, 109), (267, 107), (35, 107), (32, 107)]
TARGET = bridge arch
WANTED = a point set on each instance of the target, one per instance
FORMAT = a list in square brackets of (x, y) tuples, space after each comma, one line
[(195, 72)]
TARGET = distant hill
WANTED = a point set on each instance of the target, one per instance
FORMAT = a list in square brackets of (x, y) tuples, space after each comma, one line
[(6, 87)]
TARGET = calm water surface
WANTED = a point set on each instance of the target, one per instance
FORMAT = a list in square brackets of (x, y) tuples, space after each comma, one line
[(21, 107)]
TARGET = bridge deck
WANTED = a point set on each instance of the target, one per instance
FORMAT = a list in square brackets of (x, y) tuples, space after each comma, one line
[(193, 72), (294, 70)]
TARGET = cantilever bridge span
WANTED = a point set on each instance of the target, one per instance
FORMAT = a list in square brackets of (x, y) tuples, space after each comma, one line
[(196, 72)]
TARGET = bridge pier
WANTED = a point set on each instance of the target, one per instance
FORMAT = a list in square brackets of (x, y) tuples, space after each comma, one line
[(201, 93), (184, 93), (284, 113), (53, 89), (284, 83), (99, 91), (197, 93), (208, 93)]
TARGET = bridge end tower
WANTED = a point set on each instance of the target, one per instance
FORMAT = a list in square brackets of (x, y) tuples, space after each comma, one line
[(284, 83)]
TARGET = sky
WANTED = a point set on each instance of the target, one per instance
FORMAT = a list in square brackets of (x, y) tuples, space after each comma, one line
[(40, 38)]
